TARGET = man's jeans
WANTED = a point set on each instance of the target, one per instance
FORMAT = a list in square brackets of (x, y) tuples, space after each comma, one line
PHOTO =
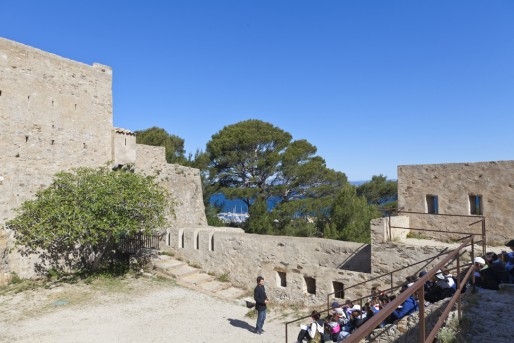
[(261, 316)]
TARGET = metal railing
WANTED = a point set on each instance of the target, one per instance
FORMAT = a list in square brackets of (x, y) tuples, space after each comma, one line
[(133, 244), (481, 219), (417, 288), (455, 254)]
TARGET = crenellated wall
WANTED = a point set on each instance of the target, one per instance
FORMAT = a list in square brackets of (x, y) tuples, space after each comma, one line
[(297, 269), (306, 270)]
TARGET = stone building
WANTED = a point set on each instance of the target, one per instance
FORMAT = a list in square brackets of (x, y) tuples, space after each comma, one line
[(465, 192)]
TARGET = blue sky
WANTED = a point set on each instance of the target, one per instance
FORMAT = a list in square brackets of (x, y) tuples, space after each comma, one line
[(372, 84)]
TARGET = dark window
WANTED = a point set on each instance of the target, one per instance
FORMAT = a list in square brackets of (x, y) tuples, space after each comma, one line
[(281, 279), (310, 285), (475, 204), (432, 204), (338, 289)]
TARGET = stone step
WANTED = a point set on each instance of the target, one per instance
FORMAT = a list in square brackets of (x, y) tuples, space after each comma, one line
[(181, 271), (213, 286), (165, 264), (198, 278)]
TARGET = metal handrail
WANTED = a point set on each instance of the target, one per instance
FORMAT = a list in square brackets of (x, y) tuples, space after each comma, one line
[(417, 287), (450, 256), (482, 234)]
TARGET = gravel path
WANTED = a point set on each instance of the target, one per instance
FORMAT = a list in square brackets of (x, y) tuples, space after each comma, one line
[(488, 316), (160, 313), (143, 310)]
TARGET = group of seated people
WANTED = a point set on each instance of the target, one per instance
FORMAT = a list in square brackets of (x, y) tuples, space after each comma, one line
[(343, 320), (489, 272), (493, 269)]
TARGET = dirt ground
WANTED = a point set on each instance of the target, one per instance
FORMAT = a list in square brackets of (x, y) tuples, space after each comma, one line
[(153, 310), (135, 310)]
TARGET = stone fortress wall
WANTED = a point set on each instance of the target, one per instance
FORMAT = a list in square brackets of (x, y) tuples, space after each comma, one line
[(305, 270), (56, 114)]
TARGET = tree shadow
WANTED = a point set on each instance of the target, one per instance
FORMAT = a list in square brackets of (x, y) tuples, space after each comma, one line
[(241, 324)]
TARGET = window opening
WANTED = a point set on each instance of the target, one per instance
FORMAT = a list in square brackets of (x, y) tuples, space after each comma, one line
[(168, 239), (211, 245), (53, 141), (281, 279), (197, 242), (432, 204), (338, 289), (310, 284), (26, 139), (475, 204), (181, 234)]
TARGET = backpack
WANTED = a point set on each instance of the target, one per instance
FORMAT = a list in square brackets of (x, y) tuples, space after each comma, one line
[(317, 336)]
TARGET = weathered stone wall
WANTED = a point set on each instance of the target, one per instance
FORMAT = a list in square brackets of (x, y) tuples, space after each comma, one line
[(245, 256), (183, 183), (56, 114), (452, 183), (289, 264)]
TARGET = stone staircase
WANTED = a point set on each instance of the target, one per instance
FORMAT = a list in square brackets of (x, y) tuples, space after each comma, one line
[(198, 280)]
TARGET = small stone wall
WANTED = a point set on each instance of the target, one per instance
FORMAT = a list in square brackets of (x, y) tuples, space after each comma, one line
[(296, 269)]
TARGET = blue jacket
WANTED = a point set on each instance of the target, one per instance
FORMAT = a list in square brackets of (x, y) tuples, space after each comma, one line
[(410, 305)]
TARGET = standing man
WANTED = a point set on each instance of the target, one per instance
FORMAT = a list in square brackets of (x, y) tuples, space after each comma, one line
[(261, 299)]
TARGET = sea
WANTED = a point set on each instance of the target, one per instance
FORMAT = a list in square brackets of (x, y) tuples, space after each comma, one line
[(239, 206)]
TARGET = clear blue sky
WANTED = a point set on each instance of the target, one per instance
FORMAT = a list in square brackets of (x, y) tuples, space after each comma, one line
[(372, 84)]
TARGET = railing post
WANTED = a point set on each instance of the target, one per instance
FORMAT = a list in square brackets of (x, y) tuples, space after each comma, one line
[(484, 244), (473, 290), (459, 309), (421, 298)]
